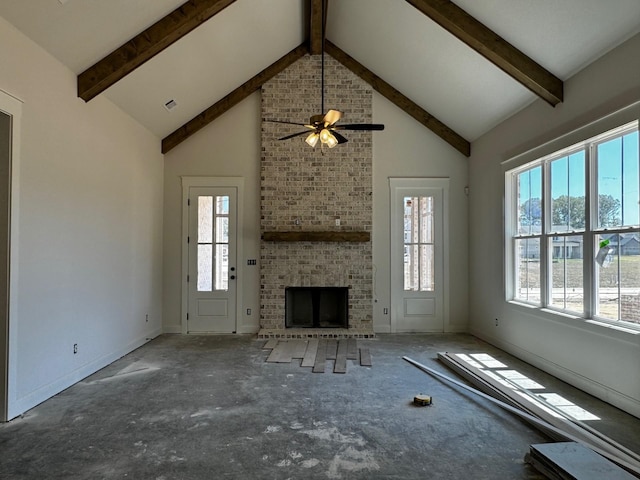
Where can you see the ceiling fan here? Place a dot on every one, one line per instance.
(324, 128)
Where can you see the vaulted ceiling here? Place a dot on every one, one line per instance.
(458, 68)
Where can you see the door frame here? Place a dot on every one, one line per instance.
(413, 183)
(9, 317)
(210, 182)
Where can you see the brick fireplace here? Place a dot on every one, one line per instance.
(321, 197)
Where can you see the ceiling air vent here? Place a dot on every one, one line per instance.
(170, 105)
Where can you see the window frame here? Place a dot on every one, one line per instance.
(591, 230)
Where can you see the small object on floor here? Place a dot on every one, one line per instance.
(422, 400)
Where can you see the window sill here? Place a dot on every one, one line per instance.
(598, 326)
(619, 328)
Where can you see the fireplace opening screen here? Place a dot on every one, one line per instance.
(316, 307)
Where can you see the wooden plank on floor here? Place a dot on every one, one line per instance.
(299, 348)
(365, 357)
(341, 357)
(286, 352)
(275, 353)
(321, 357)
(573, 460)
(310, 355)
(271, 344)
(281, 353)
(352, 349)
(332, 347)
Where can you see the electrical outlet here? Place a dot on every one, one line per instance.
(75, 348)
(146, 317)
(337, 222)
(248, 311)
(496, 322)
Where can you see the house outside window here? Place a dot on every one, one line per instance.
(572, 222)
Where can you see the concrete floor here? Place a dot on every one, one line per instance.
(209, 407)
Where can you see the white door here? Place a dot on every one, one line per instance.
(418, 254)
(211, 278)
(5, 216)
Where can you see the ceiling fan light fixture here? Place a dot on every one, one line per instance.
(325, 135)
(312, 139)
(331, 141)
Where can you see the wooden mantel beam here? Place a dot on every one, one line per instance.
(317, 24)
(144, 46)
(232, 99)
(401, 101)
(493, 47)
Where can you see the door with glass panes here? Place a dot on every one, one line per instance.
(418, 255)
(212, 260)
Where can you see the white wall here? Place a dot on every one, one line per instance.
(227, 147)
(408, 149)
(600, 360)
(89, 264)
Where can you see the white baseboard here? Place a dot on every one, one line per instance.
(457, 329)
(172, 329)
(251, 329)
(607, 394)
(20, 405)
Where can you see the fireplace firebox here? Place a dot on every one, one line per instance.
(316, 307)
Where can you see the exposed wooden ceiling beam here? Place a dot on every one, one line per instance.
(232, 99)
(401, 101)
(496, 49)
(317, 24)
(144, 46)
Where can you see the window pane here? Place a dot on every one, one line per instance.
(409, 222)
(567, 273)
(528, 269)
(222, 267)
(529, 201)
(427, 274)
(205, 267)
(426, 219)
(205, 219)
(418, 243)
(618, 180)
(618, 288)
(411, 278)
(222, 230)
(629, 258)
(222, 205)
(568, 193)
(631, 180)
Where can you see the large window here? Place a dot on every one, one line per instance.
(572, 226)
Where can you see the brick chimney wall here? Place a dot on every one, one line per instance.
(308, 189)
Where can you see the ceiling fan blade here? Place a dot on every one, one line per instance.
(360, 126)
(339, 137)
(306, 132)
(331, 117)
